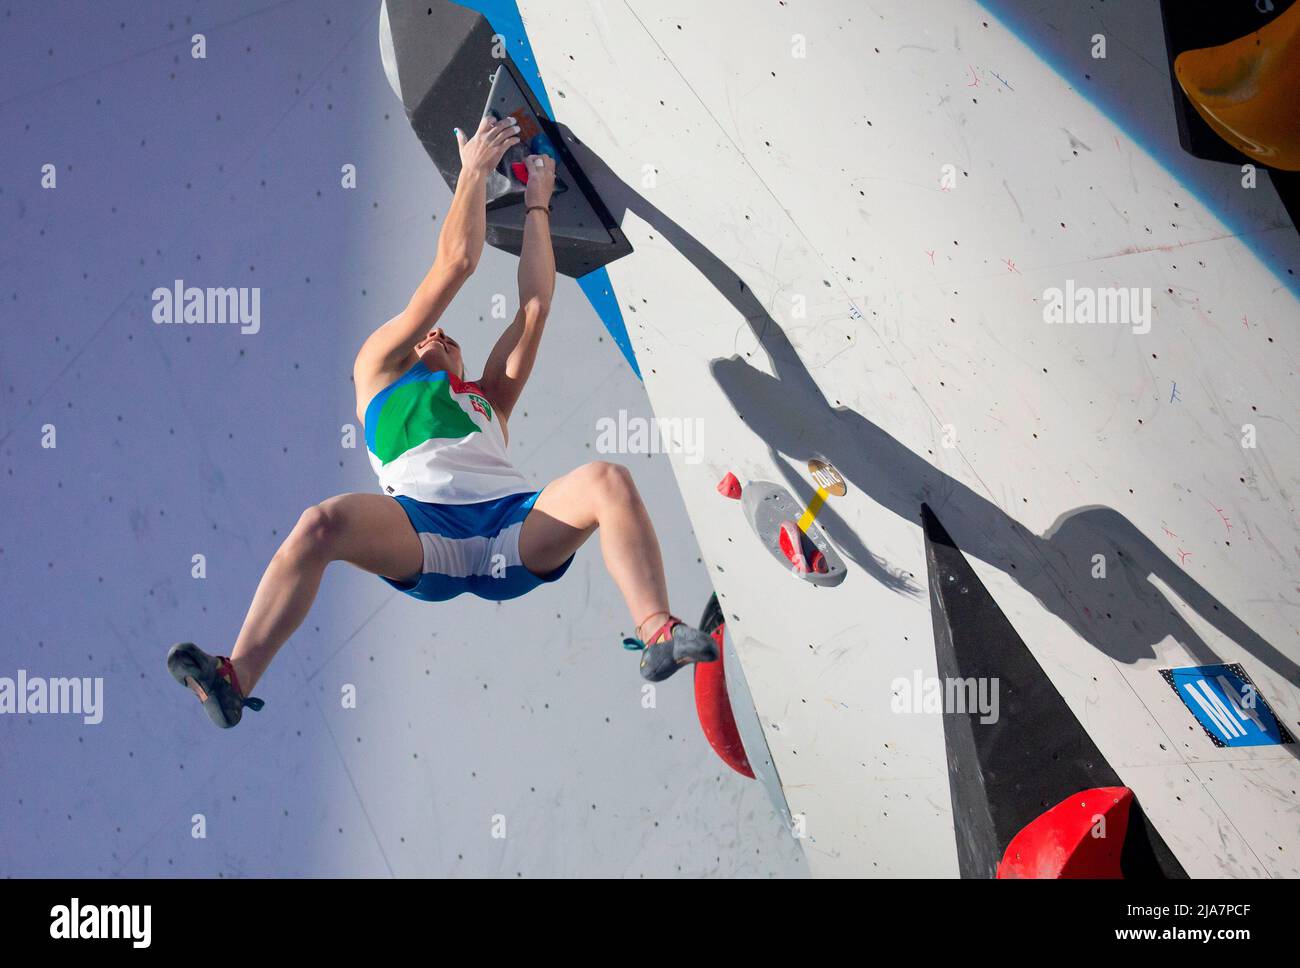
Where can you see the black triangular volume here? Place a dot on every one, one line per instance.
(1006, 772)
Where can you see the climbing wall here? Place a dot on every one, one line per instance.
(848, 221)
(485, 740)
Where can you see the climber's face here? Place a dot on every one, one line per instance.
(438, 351)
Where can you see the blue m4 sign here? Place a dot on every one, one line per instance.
(1228, 705)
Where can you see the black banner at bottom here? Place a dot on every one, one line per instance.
(335, 917)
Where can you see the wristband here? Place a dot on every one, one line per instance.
(543, 208)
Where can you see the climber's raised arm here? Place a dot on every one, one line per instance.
(511, 360)
(389, 350)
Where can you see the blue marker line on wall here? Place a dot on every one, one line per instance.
(600, 292)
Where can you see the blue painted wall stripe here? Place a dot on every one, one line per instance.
(1028, 24)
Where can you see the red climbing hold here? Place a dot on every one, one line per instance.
(729, 486)
(714, 708)
(1081, 837)
(520, 170)
(791, 539)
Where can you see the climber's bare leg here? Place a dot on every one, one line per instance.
(600, 495)
(370, 531)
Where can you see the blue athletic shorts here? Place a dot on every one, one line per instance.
(472, 548)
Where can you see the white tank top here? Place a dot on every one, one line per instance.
(434, 438)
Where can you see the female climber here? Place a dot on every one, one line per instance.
(454, 514)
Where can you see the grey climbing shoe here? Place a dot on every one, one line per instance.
(674, 645)
(212, 678)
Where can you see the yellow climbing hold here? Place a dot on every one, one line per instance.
(1246, 90)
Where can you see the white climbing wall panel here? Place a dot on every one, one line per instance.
(806, 283)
